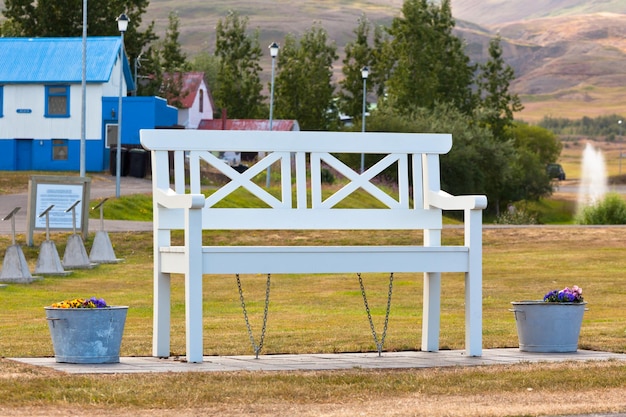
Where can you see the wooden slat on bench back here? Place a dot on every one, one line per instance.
(266, 141)
(308, 210)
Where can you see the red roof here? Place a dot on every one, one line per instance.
(248, 124)
(191, 85)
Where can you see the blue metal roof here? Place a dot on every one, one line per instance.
(59, 60)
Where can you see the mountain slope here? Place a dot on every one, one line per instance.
(273, 18)
(568, 66)
(493, 12)
(570, 51)
(569, 55)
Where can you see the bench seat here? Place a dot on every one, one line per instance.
(319, 259)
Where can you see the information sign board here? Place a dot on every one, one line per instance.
(61, 192)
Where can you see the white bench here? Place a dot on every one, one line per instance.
(180, 205)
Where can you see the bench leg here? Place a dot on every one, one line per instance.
(193, 310)
(193, 286)
(473, 315)
(161, 319)
(432, 309)
(474, 284)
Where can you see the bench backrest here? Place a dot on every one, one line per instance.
(300, 203)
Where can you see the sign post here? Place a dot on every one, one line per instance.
(62, 192)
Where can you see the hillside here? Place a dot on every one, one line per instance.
(569, 55)
(494, 12)
(273, 18)
(566, 66)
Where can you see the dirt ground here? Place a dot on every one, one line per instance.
(525, 403)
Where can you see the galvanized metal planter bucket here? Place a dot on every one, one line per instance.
(548, 327)
(86, 335)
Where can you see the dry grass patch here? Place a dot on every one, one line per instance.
(525, 389)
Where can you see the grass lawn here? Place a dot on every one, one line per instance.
(309, 314)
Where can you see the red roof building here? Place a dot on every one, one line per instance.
(248, 124)
(196, 101)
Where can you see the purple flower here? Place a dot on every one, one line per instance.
(566, 295)
(94, 302)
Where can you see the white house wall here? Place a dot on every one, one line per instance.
(24, 110)
(192, 117)
(183, 119)
(112, 88)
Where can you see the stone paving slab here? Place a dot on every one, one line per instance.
(317, 362)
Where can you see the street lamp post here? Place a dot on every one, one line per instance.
(122, 25)
(619, 122)
(83, 94)
(365, 72)
(274, 53)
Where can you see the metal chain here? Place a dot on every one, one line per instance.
(255, 347)
(379, 344)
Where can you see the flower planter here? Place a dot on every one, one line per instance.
(86, 335)
(548, 327)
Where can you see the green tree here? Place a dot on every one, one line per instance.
(476, 164)
(429, 63)
(535, 147)
(174, 63)
(498, 103)
(383, 62)
(10, 29)
(538, 140)
(303, 87)
(238, 86)
(173, 57)
(608, 126)
(51, 18)
(528, 179)
(358, 55)
(150, 72)
(207, 63)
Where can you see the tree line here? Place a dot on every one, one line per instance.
(420, 78)
(611, 127)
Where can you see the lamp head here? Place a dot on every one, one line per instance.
(365, 72)
(274, 49)
(122, 22)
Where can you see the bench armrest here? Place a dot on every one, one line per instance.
(170, 199)
(445, 201)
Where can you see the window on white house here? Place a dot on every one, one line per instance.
(59, 149)
(57, 101)
(111, 138)
(201, 101)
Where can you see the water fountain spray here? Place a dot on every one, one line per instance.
(593, 182)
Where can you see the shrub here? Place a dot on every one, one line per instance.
(610, 210)
(514, 215)
(327, 176)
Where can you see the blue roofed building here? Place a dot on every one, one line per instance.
(41, 104)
